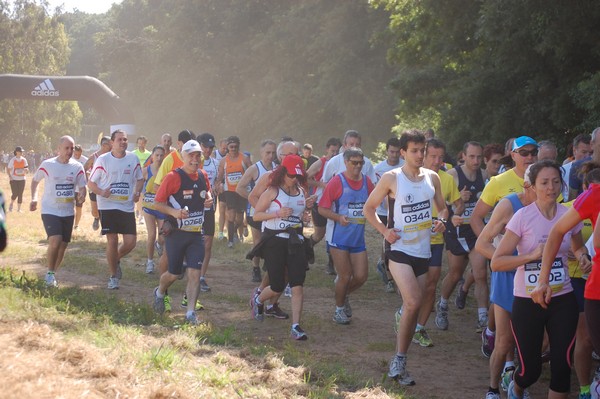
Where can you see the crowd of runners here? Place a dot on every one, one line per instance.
(523, 222)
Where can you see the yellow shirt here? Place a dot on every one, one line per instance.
(500, 186)
(171, 162)
(450, 193)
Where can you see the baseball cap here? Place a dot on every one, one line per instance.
(191, 146)
(207, 139)
(19, 149)
(522, 142)
(185, 135)
(293, 164)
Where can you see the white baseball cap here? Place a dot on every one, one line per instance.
(191, 146)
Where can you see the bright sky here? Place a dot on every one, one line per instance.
(89, 6)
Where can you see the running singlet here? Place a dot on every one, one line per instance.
(411, 213)
(234, 169)
(588, 207)
(350, 203)
(18, 168)
(283, 200)
(475, 187)
(451, 194)
(63, 182)
(191, 193)
(148, 191)
(500, 186)
(532, 228)
(261, 170)
(120, 176)
(211, 167)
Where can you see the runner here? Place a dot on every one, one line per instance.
(65, 184)
(105, 146)
(183, 196)
(268, 149)
(117, 181)
(17, 172)
(281, 207)
(143, 155)
(581, 150)
(219, 154)
(392, 161)
(526, 232)
(502, 365)
(410, 190)
(82, 159)
(231, 170)
(153, 218)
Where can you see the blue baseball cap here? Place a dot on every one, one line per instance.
(522, 141)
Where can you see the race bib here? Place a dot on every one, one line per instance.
(416, 217)
(468, 212)
(556, 278)
(64, 193)
(148, 198)
(290, 221)
(119, 191)
(19, 172)
(193, 223)
(355, 213)
(234, 178)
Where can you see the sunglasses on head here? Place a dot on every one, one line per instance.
(356, 163)
(526, 153)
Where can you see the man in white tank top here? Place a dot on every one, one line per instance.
(410, 207)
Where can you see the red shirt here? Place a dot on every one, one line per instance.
(588, 207)
(172, 182)
(334, 189)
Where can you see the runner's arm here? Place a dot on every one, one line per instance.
(502, 213)
(247, 177)
(504, 259)
(264, 201)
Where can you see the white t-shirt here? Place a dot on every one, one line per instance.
(82, 159)
(63, 183)
(121, 176)
(380, 169)
(566, 171)
(336, 165)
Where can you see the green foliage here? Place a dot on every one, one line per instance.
(495, 69)
(34, 43)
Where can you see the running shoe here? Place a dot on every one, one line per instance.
(511, 393)
(184, 303)
(422, 338)
(298, 334)
(203, 286)
(276, 312)
(51, 280)
(159, 248)
(461, 296)
(397, 317)
(221, 236)
(257, 310)
(340, 317)
(167, 301)
(381, 271)
(255, 294)
(95, 224)
(390, 288)
(481, 324)
(506, 377)
(10, 208)
(398, 371)
(149, 266)
(441, 316)
(586, 395)
(492, 395)
(113, 283)
(487, 344)
(159, 303)
(229, 244)
(287, 291)
(347, 307)
(330, 269)
(256, 277)
(192, 319)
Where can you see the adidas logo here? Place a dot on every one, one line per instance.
(45, 89)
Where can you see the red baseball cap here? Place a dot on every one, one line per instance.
(293, 164)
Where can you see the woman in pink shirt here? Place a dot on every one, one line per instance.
(527, 233)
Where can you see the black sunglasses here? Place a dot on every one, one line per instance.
(526, 153)
(356, 163)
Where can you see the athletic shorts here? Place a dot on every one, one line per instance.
(208, 227)
(154, 213)
(461, 243)
(92, 196)
(578, 288)
(182, 245)
(317, 219)
(437, 250)
(114, 221)
(221, 197)
(420, 266)
(58, 226)
(352, 250)
(235, 201)
(501, 289)
(253, 224)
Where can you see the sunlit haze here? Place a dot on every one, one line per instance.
(88, 6)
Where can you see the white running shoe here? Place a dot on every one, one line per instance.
(113, 283)
(51, 280)
(149, 266)
(398, 371)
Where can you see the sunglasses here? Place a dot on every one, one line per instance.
(357, 163)
(291, 176)
(526, 153)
